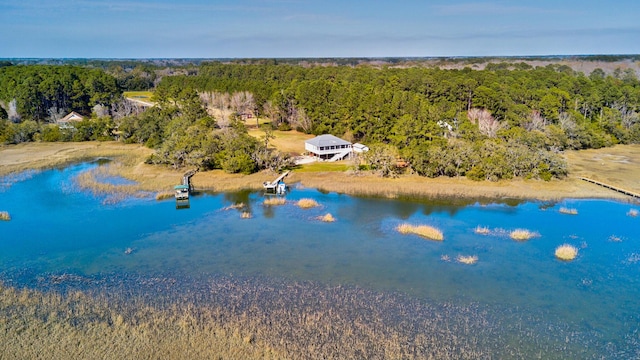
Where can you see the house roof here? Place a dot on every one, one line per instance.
(327, 140)
(72, 116)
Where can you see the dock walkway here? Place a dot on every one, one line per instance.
(614, 188)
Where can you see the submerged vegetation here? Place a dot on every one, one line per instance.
(425, 231)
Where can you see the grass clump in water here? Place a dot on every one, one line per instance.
(522, 234)
(425, 231)
(633, 213)
(568, 211)
(245, 215)
(566, 252)
(4, 215)
(273, 201)
(468, 260)
(307, 203)
(482, 230)
(327, 218)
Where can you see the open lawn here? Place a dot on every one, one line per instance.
(290, 142)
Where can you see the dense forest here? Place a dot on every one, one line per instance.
(507, 120)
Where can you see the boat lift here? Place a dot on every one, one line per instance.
(276, 186)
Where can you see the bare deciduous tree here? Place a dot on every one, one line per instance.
(535, 121)
(242, 102)
(55, 114)
(125, 107)
(487, 124)
(100, 110)
(12, 111)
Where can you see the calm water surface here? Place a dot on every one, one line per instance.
(56, 228)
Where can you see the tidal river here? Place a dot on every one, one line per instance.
(588, 307)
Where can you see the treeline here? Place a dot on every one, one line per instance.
(42, 92)
(509, 120)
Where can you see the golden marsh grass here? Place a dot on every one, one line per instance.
(274, 201)
(246, 215)
(425, 231)
(327, 218)
(568, 211)
(566, 252)
(307, 203)
(522, 234)
(163, 195)
(4, 215)
(468, 260)
(482, 230)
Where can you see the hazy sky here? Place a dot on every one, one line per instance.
(316, 28)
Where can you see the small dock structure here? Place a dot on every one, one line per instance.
(276, 186)
(182, 191)
(622, 191)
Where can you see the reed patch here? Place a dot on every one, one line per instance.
(482, 230)
(425, 231)
(4, 215)
(566, 252)
(326, 218)
(522, 234)
(467, 260)
(633, 212)
(568, 211)
(307, 203)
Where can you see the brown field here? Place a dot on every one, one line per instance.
(618, 166)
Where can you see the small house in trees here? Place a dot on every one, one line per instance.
(67, 121)
(328, 147)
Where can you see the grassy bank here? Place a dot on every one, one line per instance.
(619, 166)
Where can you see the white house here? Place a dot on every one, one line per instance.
(67, 121)
(328, 147)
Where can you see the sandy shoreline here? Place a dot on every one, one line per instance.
(618, 166)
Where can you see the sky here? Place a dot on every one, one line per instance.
(315, 28)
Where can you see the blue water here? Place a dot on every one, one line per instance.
(56, 228)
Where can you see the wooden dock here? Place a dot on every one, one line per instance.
(273, 186)
(611, 187)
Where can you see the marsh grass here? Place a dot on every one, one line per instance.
(246, 215)
(326, 218)
(568, 211)
(4, 215)
(566, 252)
(163, 195)
(236, 206)
(425, 231)
(274, 201)
(482, 230)
(522, 234)
(468, 260)
(633, 213)
(307, 203)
